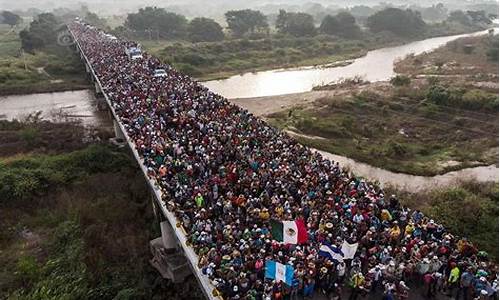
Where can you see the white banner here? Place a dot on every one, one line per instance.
(349, 250)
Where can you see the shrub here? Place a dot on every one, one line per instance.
(438, 94)
(26, 178)
(400, 80)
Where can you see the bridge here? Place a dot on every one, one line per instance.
(272, 170)
(173, 238)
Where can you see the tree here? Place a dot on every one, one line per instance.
(404, 23)
(435, 13)
(281, 21)
(343, 25)
(204, 30)
(329, 25)
(9, 18)
(297, 24)
(400, 80)
(42, 32)
(95, 20)
(479, 16)
(460, 17)
(361, 11)
(241, 22)
(167, 24)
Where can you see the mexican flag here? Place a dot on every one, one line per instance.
(289, 232)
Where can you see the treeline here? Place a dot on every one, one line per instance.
(154, 22)
(45, 28)
(10, 18)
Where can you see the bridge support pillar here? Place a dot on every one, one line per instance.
(102, 105)
(167, 259)
(156, 210)
(118, 131)
(168, 235)
(98, 90)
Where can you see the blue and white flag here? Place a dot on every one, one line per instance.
(279, 272)
(331, 252)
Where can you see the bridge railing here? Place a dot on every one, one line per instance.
(191, 256)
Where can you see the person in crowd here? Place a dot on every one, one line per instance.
(226, 174)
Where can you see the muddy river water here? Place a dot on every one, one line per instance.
(376, 65)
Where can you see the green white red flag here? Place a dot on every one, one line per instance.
(289, 232)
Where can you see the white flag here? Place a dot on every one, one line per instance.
(349, 250)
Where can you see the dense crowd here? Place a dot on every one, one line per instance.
(225, 174)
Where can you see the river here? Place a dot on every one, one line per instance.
(73, 105)
(414, 183)
(376, 65)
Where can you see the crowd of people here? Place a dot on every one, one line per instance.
(226, 174)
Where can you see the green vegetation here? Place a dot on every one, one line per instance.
(246, 21)
(9, 18)
(77, 226)
(402, 132)
(343, 24)
(49, 67)
(472, 99)
(400, 80)
(472, 57)
(26, 178)
(445, 121)
(221, 59)
(295, 24)
(292, 42)
(95, 20)
(392, 19)
(204, 30)
(295, 45)
(470, 209)
(42, 32)
(167, 24)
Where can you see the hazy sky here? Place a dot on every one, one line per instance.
(199, 7)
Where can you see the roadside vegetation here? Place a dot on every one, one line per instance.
(469, 209)
(31, 60)
(76, 224)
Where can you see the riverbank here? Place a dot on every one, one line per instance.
(413, 124)
(398, 134)
(221, 60)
